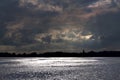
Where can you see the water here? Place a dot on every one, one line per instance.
(60, 68)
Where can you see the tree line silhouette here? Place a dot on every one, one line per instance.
(63, 54)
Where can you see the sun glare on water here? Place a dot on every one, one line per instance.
(57, 62)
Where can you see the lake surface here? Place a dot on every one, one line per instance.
(95, 68)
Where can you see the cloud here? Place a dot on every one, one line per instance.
(59, 24)
(7, 48)
(39, 5)
(74, 37)
(106, 26)
(101, 4)
(102, 7)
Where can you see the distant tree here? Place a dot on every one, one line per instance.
(83, 51)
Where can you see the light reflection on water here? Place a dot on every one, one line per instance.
(58, 62)
(60, 68)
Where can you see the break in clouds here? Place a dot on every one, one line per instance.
(59, 25)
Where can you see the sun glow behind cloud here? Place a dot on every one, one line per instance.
(66, 34)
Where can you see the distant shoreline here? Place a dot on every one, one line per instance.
(63, 54)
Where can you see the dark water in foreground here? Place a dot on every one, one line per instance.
(60, 68)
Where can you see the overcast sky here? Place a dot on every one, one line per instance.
(59, 25)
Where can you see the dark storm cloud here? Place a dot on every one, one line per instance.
(20, 24)
(106, 26)
(59, 24)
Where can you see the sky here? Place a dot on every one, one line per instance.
(59, 25)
